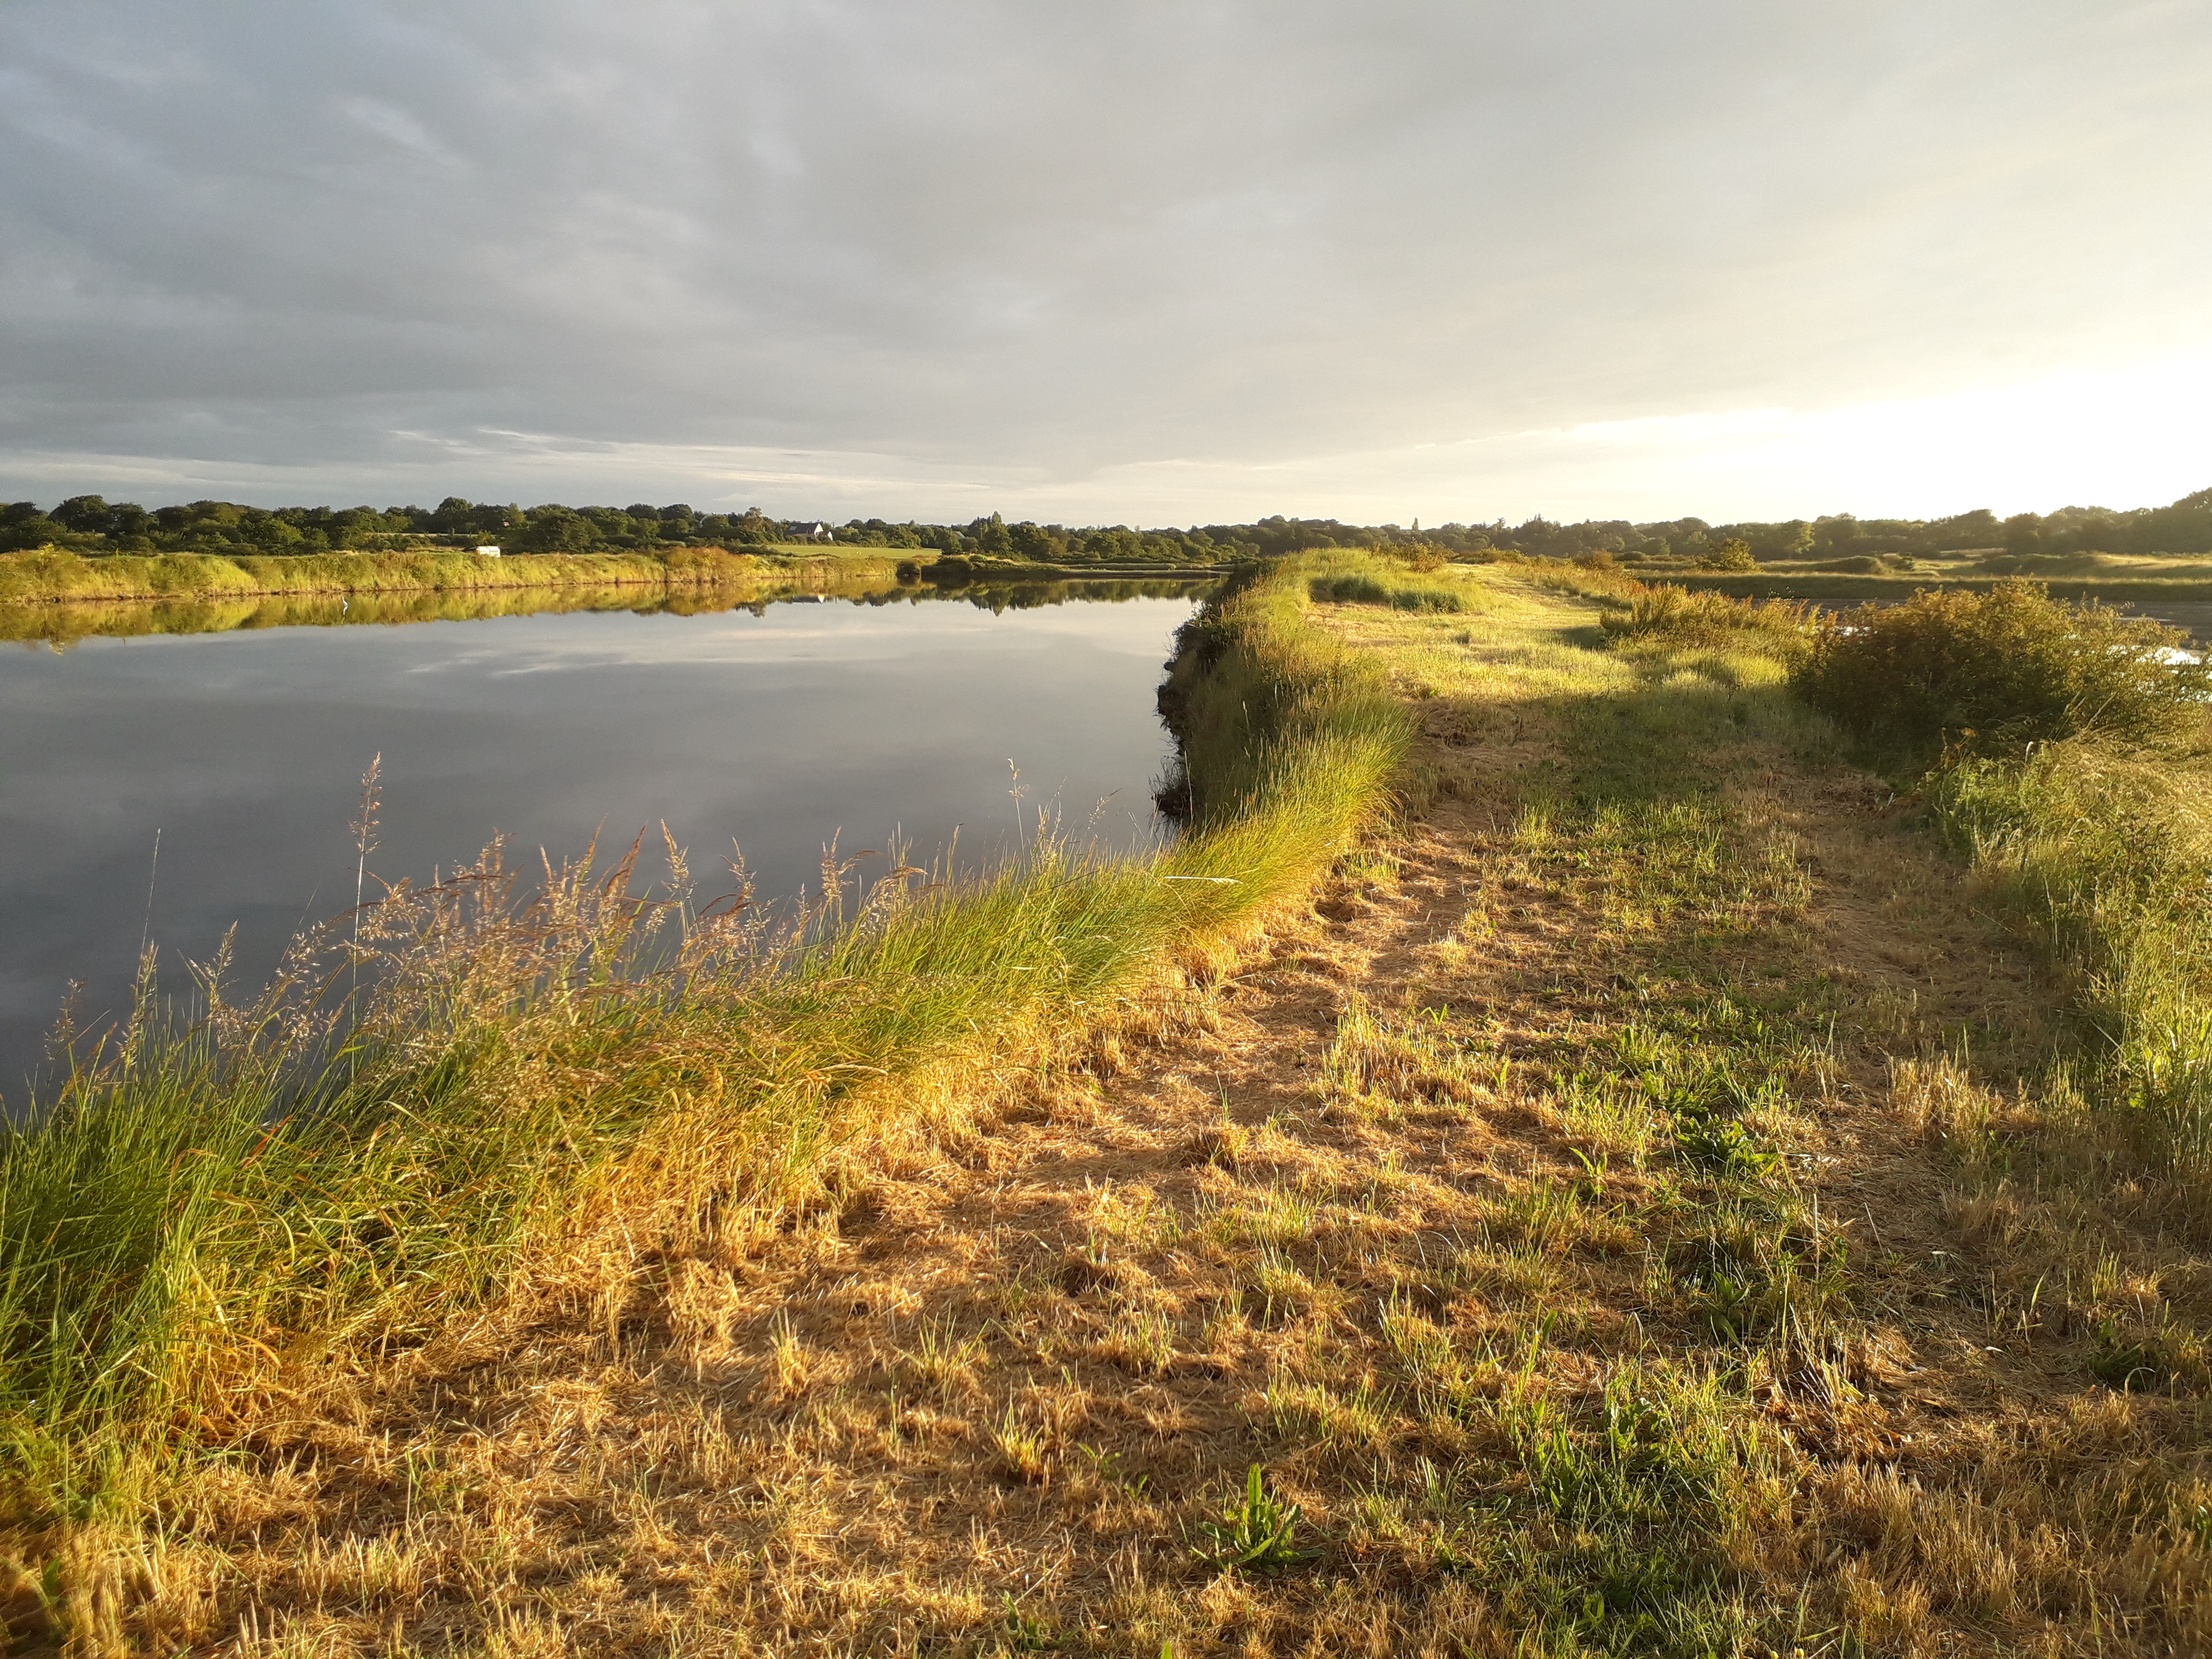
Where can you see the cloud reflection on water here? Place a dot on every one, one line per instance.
(245, 751)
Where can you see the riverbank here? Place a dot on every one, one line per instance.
(51, 576)
(55, 576)
(61, 623)
(1650, 1201)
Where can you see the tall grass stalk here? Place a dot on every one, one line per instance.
(2109, 852)
(533, 1091)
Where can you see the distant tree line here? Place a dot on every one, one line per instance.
(2184, 527)
(89, 524)
(92, 526)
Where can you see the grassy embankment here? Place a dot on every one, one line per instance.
(1651, 1205)
(859, 582)
(216, 1224)
(52, 576)
(58, 597)
(1828, 1283)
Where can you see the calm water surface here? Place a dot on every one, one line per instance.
(245, 751)
(2192, 616)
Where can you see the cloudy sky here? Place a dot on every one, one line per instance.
(1127, 262)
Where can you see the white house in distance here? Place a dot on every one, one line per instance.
(808, 530)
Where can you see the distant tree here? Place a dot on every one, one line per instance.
(355, 527)
(454, 516)
(990, 535)
(1033, 543)
(24, 526)
(556, 529)
(2185, 526)
(1978, 528)
(1733, 554)
(271, 534)
(90, 514)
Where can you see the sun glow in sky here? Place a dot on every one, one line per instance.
(1146, 263)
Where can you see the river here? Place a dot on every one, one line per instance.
(243, 753)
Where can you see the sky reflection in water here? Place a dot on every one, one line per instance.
(246, 751)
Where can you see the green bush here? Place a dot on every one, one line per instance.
(1987, 673)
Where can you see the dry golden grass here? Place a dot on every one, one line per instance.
(1639, 1208)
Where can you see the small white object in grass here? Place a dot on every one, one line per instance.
(1230, 880)
(488, 552)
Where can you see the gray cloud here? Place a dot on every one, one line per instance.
(904, 256)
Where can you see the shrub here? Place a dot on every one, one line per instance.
(1731, 554)
(1989, 672)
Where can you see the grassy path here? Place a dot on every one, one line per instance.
(1635, 1210)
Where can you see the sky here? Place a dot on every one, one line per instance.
(1150, 264)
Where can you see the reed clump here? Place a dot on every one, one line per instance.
(2107, 851)
(1683, 617)
(446, 1096)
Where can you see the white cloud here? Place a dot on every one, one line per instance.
(1142, 263)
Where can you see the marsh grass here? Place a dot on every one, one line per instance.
(2073, 772)
(2108, 855)
(1680, 617)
